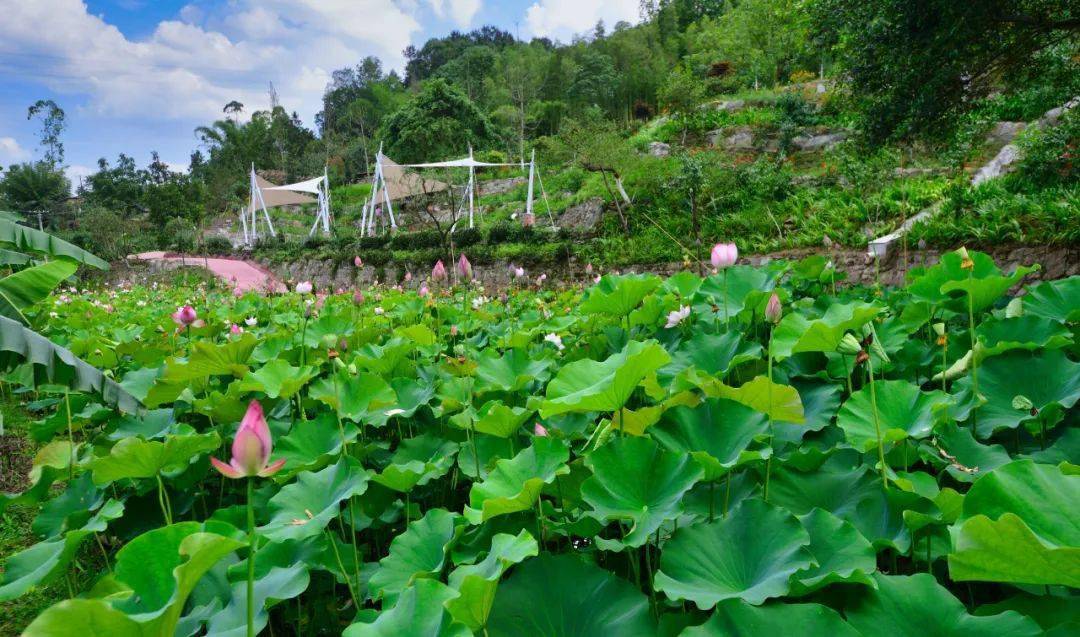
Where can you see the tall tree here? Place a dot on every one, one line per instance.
(52, 126)
(912, 66)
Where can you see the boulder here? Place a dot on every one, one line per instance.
(823, 141)
(659, 149)
(584, 215)
(1004, 132)
(730, 105)
(737, 138)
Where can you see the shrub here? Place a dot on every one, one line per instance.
(218, 245)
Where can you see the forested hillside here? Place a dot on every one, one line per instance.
(772, 123)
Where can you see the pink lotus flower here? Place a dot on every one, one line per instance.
(358, 297)
(423, 290)
(438, 272)
(235, 329)
(185, 316)
(724, 255)
(539, 430)
(358, 262)
(773, 311)
(304, 287)
(464, 268)
(251, 448)
(237, 292)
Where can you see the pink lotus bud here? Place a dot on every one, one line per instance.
(539, 430)
(185, 316)
(464, 267)
(519, 272)
(358, 297)
(340, 291)
(408, 277)
(424, 290)
(358, 262)
(438, 272)
(251, 448)
(528, 220)
(453, 330)
(724, 255)
(773, 310)
(237, 292)
(588, 268)
(235, 329)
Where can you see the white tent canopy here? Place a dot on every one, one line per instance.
(265, 195)
(391, 183)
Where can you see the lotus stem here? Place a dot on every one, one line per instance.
(974, 355)
(727, 323)
(877, 425)
(251, 558)
(768, 461)
(71, 435)
(163, 501)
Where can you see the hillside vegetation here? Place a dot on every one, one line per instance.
(771, 123)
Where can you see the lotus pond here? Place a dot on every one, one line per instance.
(688, 456)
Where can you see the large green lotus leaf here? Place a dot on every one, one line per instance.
(312, 444)
(281, 572)
(713, 354)
(1021, 332)
(750, 555)
(744, 285)
(975, 459)
(851, 494)
(983, 291)
(278, 379)
(1048, 379)
(515, 483)
(498, 419)
(478, 582)
(841, 554)
(417, 461)
(419, 334)
(358, 397)
(935, 284)
(138, 458)
(45, 561)
(716, 433)
(605, 386)
(411, 395)
(797, 333)
(736, 618)
(683, 284)
(634, 479)
(30, 286)
(419, 611)
(69, 510)
(903, 411)
(513, 371)
(161, 567)
(303, 508)
(820, 402)
(562, 596)
(1049, 611)
(1057, 300)
(781, 402)
(1019, 524)
(618, 295)
(917, 606)
(420, 552)
(208, 359)
(82, 617)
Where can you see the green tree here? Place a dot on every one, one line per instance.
(52, 126)
(33, 189)
(438, 123)
(912, 66)
(682, 95)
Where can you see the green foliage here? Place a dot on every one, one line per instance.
(440, 122)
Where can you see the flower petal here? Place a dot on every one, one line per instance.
(272, 468)
(225, 469)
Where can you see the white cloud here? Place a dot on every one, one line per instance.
(565, 18)
(76, 173)
(190, 67)
(461, 12)
(11, 152)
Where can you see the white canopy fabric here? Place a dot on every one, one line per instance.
(467, 162)
(311, 185)
(274, 196)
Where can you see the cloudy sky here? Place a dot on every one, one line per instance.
(139, 75)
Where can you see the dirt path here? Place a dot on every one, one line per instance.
(244, 275)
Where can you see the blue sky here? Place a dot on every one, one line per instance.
(136, 76)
